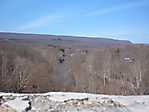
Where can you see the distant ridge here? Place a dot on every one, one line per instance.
(67, 41)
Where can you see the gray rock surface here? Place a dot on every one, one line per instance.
(73, 102)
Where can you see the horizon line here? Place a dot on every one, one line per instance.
(77, 36)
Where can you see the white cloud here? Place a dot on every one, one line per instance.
(117, 8)
(40, 22)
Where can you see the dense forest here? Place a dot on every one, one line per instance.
(35, 65)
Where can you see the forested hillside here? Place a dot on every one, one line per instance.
(30, 63)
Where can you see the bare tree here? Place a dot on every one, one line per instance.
(4, 65)
(22, 76)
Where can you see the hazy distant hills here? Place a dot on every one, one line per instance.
(65, 41)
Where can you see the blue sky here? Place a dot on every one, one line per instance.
(118, 19)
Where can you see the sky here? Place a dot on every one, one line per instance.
(118, 19)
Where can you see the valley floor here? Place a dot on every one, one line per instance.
(72, 102)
